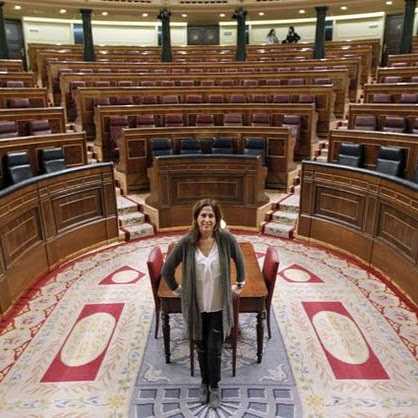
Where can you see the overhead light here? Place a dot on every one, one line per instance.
(343, 7)
(62, 11)
(144, 14)
(183, 15)
(301, 11)
(105, 13)
(17, 7)
(261, 13)
(221, 14)
(389, 3)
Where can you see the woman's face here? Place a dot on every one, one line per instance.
(206, 220)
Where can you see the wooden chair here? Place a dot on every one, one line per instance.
(270, 267)
(155, 264)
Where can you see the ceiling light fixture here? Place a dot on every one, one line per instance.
(301, 11)
(221, 14)
(105, 13)
(144, 14)
(62, 11)
(183, 15)
(17, 7)
(343, 7)
(261, 13)
(389, 3)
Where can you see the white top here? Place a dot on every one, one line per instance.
(208, 280)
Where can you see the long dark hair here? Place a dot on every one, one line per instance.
(197, 208)
(271, 32)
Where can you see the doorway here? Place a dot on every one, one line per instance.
(15, 41)
(392, 37)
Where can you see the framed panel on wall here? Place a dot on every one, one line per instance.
(203, 35)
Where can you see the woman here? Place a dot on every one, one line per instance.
(272, 38)
(206, 291)
(292, 36)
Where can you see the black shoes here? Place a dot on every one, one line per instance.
(203, 393)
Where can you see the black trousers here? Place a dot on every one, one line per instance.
(209, 349)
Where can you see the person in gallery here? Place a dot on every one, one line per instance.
(272, 38)
(292, 36)
(206, 291)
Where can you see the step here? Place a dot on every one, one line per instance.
(125, 205)
(131, 218)
(284, 217)
(279, 230)
(137, 231)
(290, 204)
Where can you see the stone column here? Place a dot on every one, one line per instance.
(240, 15)
(4, 48)
(166, 55)
(319, 51)
(88, 35)
(408, 26)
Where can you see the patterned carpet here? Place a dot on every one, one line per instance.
(75, 344)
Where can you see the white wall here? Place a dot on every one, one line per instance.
(112, 34)
(371, 27)
(48, 32)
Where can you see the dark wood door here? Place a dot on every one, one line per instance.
(203, 35)
(14, 36)
(392, 38)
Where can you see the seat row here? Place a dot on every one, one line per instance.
(117, 123)
(397, 124)
(389, 98)
(399, 79)
(390, 160)
(9, 129)
(17, 167)
(198, 98)
(220, 145)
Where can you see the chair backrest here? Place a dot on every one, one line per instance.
(124, 83)
(222, 145)
(170, 99)
(167, 83)
(8, 129)
(204, 119)
(145, 121)
(249, 83)
(155, 263)
(259, 98)
(193, 98)
(74, 85)
(102, 83)
(51, 160)
(273, 82)
(117, 123)
(365, 122)
(216, 98)
(351, 155)
(392, 79)
(381, 98)
(255, 146)
(296, 82)
(18, 102)
(281, 98)
(15, 83)
(190, 146)
(260, 119)
(294, 123)
(186, 83)
(207, 83)
(150, 99)
(324, 80)
(237, 98)
(17, 167)
(409, 98)
(101, 101)
(270, 268)
(148, 83)
(395, 124)
(173, 120)
(306, 98)
(39, 127)
(413, 126)
(161, 146)
(233, 119)
(390, 160)
(124, 100)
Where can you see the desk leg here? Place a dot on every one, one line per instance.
(166, 336)
(260, 336)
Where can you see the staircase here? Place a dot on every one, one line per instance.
(133, 223)
(281, 220)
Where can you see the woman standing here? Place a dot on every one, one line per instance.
(206, 291)
(292, 36)
(272, 38)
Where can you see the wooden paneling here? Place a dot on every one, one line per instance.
(365, 214)
(27, 78)
(177, 182)
(135, 155)
(394, 89)
(12, 66)
(405, 72)
(50, 218)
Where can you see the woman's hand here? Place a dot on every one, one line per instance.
(236, 290)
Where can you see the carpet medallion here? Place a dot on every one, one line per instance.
(80, 343)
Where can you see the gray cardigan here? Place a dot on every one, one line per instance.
(184, 252)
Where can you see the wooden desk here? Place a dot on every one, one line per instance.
(253, 298)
